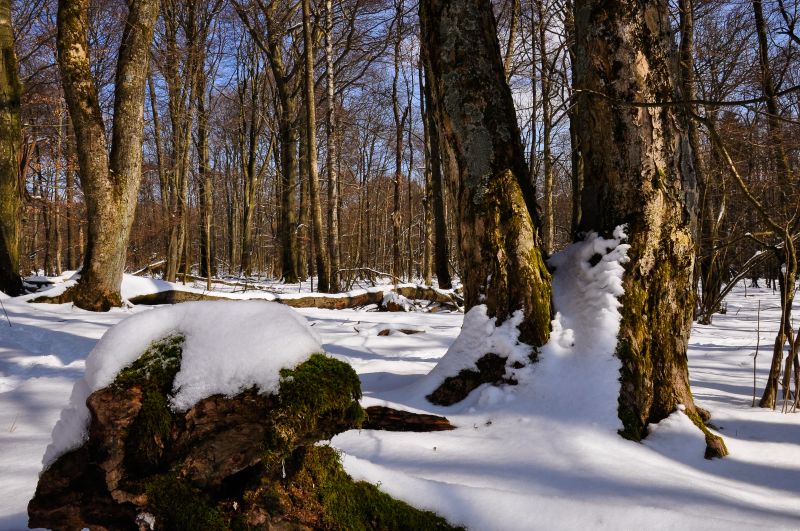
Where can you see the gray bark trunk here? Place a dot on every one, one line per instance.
(110, 183)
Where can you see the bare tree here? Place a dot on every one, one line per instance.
(110, 182)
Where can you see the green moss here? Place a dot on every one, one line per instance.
(156, 368)
(357, 505)
(177, 506)
(715, 446)
(153, 372)
(321, 386)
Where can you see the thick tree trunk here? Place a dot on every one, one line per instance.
(110, 183)
(474, 110)
(10, 138)
(639, 173)
(323, 265)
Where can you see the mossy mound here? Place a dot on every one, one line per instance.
(244, 462)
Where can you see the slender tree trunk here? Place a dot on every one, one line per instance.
(72, 254)
(162, 172)
(785, 183)
(499, 240)
(639, 173)
(56, 215)
(576, 170)
(110, 183)
(512, 36)
(323, 265)
(442, 247)
(180, 88)
(205, 186)
(304, 246)
(548, 215)
(399, 121)
(427, 234)
(333, 153)
(10, 138)
(251, 125)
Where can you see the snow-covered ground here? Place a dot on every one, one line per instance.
(543, 455)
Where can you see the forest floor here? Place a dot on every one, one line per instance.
(541, 455)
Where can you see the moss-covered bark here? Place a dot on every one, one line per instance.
(243, 462)
(110, 181)
(639, 173)
(10, 138)
(474, 111)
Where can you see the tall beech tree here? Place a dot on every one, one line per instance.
(10, 138)
(639, 173)
(321, 252)
(110, 181)
(474, 112)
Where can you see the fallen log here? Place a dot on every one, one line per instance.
(388, 419)
(327, 302)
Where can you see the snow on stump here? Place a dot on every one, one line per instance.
(210, 427)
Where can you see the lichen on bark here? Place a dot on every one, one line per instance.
(639, 173)
(474, 113)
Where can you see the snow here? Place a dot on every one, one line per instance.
(540, 455)
(228, 347)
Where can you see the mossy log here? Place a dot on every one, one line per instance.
(244, 462)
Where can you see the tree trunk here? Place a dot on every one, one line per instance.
(576, 170)
(205, 186)
(180, 91)
(548, 215)
(323, 265)
(399, 121)
(10, 138)
(639, 173)
(110, 183)
(427, 235)
(441, 248)
(333, 153)
(474, 110)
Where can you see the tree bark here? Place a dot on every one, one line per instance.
(474, 110)
(110, 183)
(399, 122)
(205, 186)
(441, 248)
(323, 265)
(427, 250)
(639, 173)
(332, 161)
(10, 138)
(548, 215)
